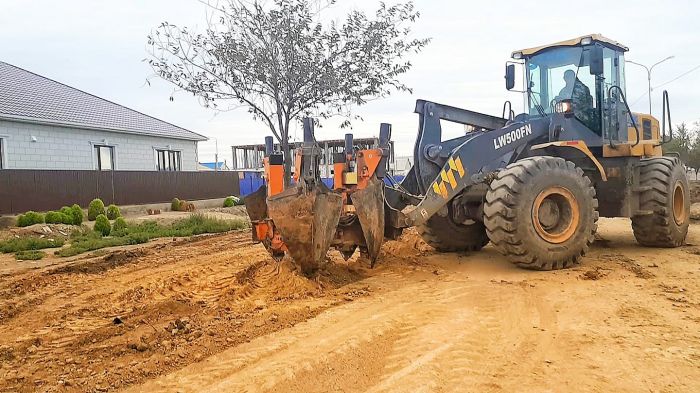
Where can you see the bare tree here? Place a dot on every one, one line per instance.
(281, 62)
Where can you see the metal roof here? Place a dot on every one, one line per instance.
(573, 42)
(26, 96)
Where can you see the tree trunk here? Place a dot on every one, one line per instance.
(288, 159)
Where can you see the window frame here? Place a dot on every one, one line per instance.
(168, 160)
(2, 152)
(98, 156)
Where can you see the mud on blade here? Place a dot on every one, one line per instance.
(256, 204)
(307, 221)
(369, 207)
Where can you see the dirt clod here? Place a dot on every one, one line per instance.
(594, 274)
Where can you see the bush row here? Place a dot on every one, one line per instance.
(97, 207)
(69, 215)
(123, 233)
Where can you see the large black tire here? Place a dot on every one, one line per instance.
(443, 234)
(664, 200)
(541, 212)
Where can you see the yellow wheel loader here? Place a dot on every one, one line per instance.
(533, 184)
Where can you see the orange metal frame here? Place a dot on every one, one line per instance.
(366, 164)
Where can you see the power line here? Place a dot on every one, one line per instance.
(639, 98)
(679, 76)
(666, 83)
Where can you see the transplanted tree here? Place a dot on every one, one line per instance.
(281, 62)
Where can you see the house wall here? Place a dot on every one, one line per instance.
(59, 147)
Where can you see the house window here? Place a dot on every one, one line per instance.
(169, 160)
(105, 157)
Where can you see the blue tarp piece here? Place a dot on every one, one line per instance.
(212, 165)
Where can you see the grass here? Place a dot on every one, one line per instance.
(29, 255)
(196, 224)
(28, 243)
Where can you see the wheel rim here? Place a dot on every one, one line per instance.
(679, 213)
(555, 214)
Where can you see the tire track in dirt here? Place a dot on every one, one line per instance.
(439, 334)
(418, 322)
(221, 285)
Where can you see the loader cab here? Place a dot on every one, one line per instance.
(577, 77)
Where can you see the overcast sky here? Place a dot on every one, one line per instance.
(98, 46)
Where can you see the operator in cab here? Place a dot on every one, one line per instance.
(581, 97)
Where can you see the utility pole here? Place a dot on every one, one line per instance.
(216, 155)
(649, 69)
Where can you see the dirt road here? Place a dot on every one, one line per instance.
(214, 315)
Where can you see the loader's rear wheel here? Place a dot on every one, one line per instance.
(443, 234)
(541, 212)
(664, 202)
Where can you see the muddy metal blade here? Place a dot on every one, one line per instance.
(307, 221)
(369, 207)
(256, 204)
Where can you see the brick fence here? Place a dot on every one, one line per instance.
(22, 190)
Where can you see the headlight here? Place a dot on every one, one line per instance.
(564, 106)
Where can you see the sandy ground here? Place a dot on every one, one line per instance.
(215, 314)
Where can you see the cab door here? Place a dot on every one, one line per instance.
(614, 113)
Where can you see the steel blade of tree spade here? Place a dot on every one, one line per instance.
(369, 207)
(256, 204)
(307, 220)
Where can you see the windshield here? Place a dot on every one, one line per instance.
(559, 74)
(563, 73)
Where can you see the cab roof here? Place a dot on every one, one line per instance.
(572, 42)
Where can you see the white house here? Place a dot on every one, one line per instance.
(45, 124)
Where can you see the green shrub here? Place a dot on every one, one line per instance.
(29, 255)
(102, 225)
(138, 238)
(66, 210)
(95, 208)
(175, 205)
(119, 228)
(229, 201)
(197, 224)
(113, 212)
(77, 215)
(29, 218)
(58, 218)
(119, 224)
(28, 243)
(52, 217)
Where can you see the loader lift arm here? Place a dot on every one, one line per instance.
(430, 152)
(443, 169)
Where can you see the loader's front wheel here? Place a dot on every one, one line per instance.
(541, 212)
(664, 202)
(443, 234)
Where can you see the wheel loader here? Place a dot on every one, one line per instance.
(534, 185)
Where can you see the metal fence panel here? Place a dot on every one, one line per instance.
(22, 190)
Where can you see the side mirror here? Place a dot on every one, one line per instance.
(596, 60)
(510, 76)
